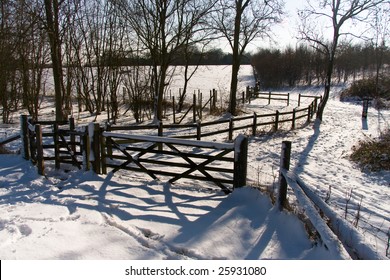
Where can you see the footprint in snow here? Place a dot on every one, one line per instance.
(25, 230)
(149, 234)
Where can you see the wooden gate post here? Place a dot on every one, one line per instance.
(40, 162)
(86, 149)
(56, 146)
(24, 137)
(284, 164)
(72, 136)
(95, 145)
(240, 161)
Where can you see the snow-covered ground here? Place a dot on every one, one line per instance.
(81, 215)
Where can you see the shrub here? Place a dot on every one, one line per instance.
(373, 155)
(367, 88)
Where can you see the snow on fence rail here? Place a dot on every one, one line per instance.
(337, 234)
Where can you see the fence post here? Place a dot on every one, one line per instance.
(24, 137)
(309, 113)
(160, 133)
(96, 148)
(366, 103)
(86, 149)
(40, 162)
(200, 104)
(269, 98)
(277, 120)
(231, 125)
(194, 109)
(174, 109)
(284, 164)
(288, 99)
(240, 161)
(199, 130)
(293, 119)
(254, 127)
(211, 102)
(108, 147)
(56, 146)
(72, 136)
(103, 146)
(214, 98)
(299, 100)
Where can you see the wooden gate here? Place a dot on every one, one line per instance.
(44, 141)
(224, 164)
(71, 147)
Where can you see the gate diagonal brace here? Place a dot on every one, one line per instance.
(199, 167)
(71, 153)
(130, 160)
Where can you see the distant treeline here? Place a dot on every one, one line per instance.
(196, 57)
(304, 65)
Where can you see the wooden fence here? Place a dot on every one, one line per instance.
(252, 123)
(252, 93)
(224, 164)
(49, 141)
(340, 238)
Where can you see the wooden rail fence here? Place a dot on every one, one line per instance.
(62, 143)
(339, 237)
(199, 129)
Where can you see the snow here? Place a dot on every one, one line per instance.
(82, 215)
(119, 216)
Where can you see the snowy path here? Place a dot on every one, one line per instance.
(122, 217)
(320, 157)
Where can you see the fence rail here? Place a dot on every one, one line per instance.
(10, 139)
(338, 236)
(201, 129)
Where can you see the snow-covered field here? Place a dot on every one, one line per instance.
(81, 215)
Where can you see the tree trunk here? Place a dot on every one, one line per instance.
(329, 73)
(236, 61)
(51, 7)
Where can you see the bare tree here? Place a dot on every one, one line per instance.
(380, 25)
(163, 27)
(240, 22)
(7, 58)
(52, 8)
(338, 14)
